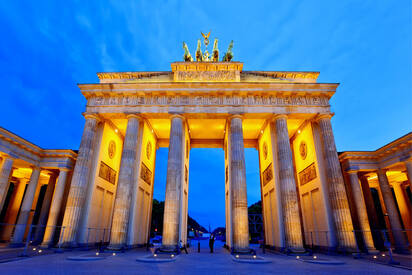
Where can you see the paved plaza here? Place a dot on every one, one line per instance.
(220, 262)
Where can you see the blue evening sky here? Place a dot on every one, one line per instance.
(48, 46)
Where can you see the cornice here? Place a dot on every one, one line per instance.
(34, 149)
(382, 152)
(211, 85)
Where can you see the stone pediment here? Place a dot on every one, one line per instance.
(208, 72)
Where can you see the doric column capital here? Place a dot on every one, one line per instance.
(133, 115)
(408, 160)
(352, 171)
(177, 116)
(8, 157)
(25, 180)
(240, 116)
(91, 116)
(64, 169)
(323, 116)
(279, 116)
(382, 170)
(35, 167)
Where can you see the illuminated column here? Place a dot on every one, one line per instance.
(80, 180)
(5, 174)
(404, 207)
(124, 191)
(336, 186)
(361, 210)
(394, 219)
(240, 223)
(287, 185)
(408, 164)
(173, 185)
(26, 208)
(55, 208)
(45, 208)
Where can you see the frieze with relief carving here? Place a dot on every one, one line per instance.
(179, 100)
(146, 174)
(308, 174)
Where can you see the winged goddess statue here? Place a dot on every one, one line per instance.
(206, 37)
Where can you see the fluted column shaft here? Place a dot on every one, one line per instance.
(401, 243)
(408, 164)
(337, 192)
(238, 186)
(404, 207)
(173, 185)
(5, 174)
(361, 210)
(79, 182)
(26, 207)
(45, 208)
(55, 208)
(287, 184)
(128, 168)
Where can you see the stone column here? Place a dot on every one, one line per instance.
(26, 208)
(5, 174)
(55, 208)
(361, 210)
(404, 207)
(240, 220)
(128, 167)
(289, 197)
(337, 192)
(78, 187)
(45, 208)
(173, 185)
(401, 244)
(408, 164)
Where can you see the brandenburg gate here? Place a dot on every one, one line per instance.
(204, 103)
(286, 116)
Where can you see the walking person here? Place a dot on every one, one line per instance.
(183, 247)
(211, 242)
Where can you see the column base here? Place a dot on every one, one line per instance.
(46, 245)
(15, 245)
(116, 247)
(372, 251)
(402, 250)
(243, 251)
(295, 251)
(69, 245)
(168, 249)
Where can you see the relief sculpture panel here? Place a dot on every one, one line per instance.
(209, 100)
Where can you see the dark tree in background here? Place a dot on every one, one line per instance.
(156, 227)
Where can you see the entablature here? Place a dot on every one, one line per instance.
(16, 147)
(386, 156)
(207, 97)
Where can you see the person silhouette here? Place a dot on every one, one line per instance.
(183, 247)
(211, 242)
